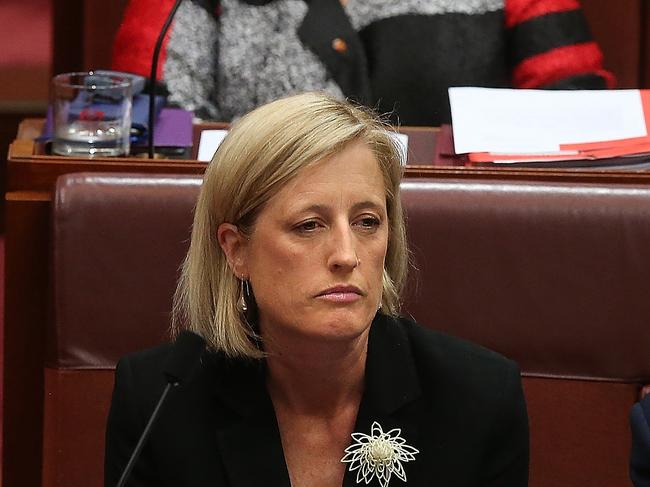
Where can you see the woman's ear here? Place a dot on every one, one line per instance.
(233, 244)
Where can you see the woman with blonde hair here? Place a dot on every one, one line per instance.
(311, 378)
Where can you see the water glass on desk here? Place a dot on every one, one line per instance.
(91, 114)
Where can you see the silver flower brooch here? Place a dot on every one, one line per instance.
(379, 455)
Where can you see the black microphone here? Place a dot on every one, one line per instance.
(178, 367)
(154, 74)
(184, 358)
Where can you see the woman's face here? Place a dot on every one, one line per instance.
(316, 255)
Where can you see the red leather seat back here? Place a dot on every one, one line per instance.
(550, 275)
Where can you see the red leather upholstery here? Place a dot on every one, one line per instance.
(550, 275)
(118, 243)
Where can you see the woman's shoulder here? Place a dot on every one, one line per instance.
(148, 358)
(152, 361)
(144, 371)
(145, 363)
(426, 341)
(139, 375)
(446, 359)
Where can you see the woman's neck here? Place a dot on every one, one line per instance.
(311, 377)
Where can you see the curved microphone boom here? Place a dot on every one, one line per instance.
(154, 74)
(178, 367)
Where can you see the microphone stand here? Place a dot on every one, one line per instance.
(177, 369)
(154, 74)
(143, 438)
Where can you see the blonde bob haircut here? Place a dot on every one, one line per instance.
(263, 151)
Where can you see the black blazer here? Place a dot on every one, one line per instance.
(640, 457)
(460, 405)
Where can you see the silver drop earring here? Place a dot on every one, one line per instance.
(244, 291)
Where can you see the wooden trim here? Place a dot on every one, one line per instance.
(644, 54)
(101, 22)
(68, 47)
(616, 26)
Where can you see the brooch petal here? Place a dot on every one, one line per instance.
(379, 455)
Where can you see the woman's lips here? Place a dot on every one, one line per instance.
(341, 294)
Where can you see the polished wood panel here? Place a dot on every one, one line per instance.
(8, 129)
(67, 36)
(645, 46)
(617, 27)
(556, 406)
(102, 20)
(30, 169)
(83, 33)
(26, 304)
(76, 408)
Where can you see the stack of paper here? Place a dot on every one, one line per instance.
(518, 126)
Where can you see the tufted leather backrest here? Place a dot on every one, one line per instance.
(554, 276)
(118, 243)
(551, 275)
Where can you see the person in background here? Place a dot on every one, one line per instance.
(223, 58)
(640, 458)
(311, 378)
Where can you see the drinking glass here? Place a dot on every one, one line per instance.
(91, 114)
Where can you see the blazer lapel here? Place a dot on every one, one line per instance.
(248, 437)
(391, 388)
(327, 31)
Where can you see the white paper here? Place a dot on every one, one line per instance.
(538, 121)
(209, 143)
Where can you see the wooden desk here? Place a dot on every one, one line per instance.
(32, 171)
(31, 179)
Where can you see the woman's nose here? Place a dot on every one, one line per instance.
(343, 253)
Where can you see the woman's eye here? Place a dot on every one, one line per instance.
(308, 226)
(369, 222)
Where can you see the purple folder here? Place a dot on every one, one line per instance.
(173, 129)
